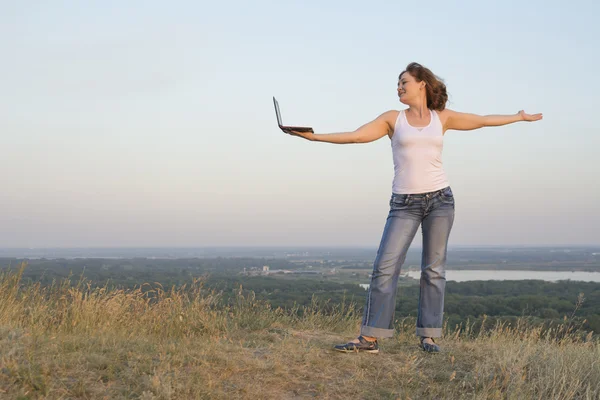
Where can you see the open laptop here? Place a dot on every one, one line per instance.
(288, 128)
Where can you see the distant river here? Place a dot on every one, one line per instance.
(484, 275)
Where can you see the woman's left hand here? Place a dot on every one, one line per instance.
(530, 117)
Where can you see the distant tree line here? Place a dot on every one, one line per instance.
(498, 300)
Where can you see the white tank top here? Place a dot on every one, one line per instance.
(417, 156)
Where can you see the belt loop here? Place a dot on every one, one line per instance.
(407, 199)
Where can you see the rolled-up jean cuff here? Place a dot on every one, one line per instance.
(429, 332)
(376, 332)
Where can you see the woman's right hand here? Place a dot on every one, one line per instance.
(306, 135)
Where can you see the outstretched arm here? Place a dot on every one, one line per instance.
(465, 122)
(369, 132)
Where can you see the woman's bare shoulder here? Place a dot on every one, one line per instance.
(391, 119)
(444, 114)
(392, 115)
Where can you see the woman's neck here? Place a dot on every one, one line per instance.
(419, 108)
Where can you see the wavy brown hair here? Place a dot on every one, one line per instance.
(434, 86)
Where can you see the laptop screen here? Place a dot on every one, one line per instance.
(277, 111)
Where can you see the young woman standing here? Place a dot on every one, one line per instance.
(421, 196)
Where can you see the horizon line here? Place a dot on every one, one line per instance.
(292, 246)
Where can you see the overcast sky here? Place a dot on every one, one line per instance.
(151, 123)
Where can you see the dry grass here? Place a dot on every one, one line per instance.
(68, 342)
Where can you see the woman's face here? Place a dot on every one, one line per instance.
(408, 88)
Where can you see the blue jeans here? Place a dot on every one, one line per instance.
(435, 211)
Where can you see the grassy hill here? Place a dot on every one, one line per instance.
(73, 341)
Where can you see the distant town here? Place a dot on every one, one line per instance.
(266, 270)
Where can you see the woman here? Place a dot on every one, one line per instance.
(421, 195)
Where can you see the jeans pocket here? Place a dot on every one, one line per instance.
(399, 201)
(447, 196)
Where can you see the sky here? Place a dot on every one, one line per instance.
(152, 124)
